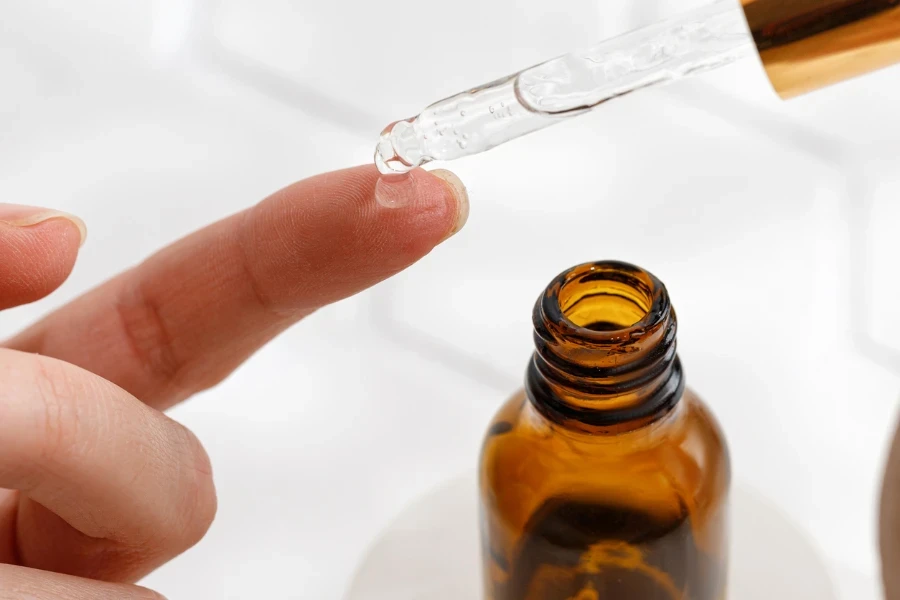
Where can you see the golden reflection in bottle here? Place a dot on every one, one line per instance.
(605, 478)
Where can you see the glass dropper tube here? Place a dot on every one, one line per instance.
(495, 113)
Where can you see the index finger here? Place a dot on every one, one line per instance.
(184, 319)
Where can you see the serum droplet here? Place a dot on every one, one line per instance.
(395, 191)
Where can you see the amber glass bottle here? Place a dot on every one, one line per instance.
(605, 478)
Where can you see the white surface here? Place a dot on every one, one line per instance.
(755, 213)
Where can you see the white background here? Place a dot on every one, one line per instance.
(773, 224)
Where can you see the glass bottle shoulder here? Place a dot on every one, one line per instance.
(678, 464)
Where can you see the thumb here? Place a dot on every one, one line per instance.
(38, 248)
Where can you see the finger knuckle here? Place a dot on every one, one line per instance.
(259, 286)
(145, 330)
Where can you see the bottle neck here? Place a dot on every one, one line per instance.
(605, 349)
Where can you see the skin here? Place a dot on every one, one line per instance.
(97, 486)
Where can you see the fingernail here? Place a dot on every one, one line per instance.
(461, 195)
(27, 216)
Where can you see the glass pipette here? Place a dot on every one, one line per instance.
(804, 46)
(482, 118)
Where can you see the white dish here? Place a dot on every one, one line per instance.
(431, 552)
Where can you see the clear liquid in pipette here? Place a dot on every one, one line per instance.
(482, 118)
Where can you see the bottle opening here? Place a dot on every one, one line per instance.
(605, 305)
(605, 346)
(605, 300)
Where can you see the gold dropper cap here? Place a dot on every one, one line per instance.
(806, 45)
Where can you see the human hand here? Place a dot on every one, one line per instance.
(97, 486)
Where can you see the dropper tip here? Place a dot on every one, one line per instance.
(390, 157)
(387, 161)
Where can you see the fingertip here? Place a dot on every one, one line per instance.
(28, 216)
(439, 192)
(424, 204)
(460, 198)
(35, 259)
(423, 210)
